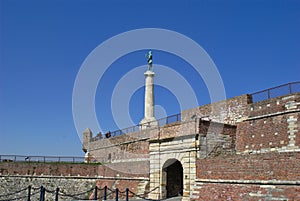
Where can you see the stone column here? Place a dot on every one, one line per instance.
(149, 119)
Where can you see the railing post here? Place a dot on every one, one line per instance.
(95, 193)
(290, 86)
(56, 194)
(29, 193)
(127, 193)
(41, 191)
(117, 194)
(44, 190)
(42, 194)
(105, 192)
(269, 94)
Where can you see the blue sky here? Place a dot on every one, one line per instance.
(254, 44)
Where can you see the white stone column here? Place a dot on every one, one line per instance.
(149, 119)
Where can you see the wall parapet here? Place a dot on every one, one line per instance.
(281, 90)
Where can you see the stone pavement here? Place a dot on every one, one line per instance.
(169, 199)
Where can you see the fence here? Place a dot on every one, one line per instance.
(273, 92)
(42, 159)
(161, 122)
(104, 193)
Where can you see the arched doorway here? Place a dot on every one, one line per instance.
(173, 178)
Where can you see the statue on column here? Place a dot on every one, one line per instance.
(149, 57)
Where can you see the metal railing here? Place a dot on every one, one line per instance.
(42, 159)
(160, 122)
(95, 193)
(274, 92)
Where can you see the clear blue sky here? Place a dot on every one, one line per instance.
(254, 44)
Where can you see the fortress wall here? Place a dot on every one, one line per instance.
(134, 147)
(229, 111)
(173, 130)
(126, 147)
(268, 166)
(10, 184)
(68, 185)
(68, 170)
(216, 139)
(70, 178)
(245, 192)
(249, 177)
(272, 125)
(54, 169)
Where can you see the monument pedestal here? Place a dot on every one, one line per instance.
(149, 119)
(148, 123)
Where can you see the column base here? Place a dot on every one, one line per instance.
(148, 123)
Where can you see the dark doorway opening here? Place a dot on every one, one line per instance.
(174, 177)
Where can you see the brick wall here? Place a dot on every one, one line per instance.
(54, 169)
(246, 192)
(120, 148)
(61, 169)
(268, 166)
(228, 111)
(272, 125)
(270, 176)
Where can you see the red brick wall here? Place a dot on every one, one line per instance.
(173, 130)
(249, 192)
(268, 125)
(269, 166)
(54, 169)
(254, 168)
(61, 169)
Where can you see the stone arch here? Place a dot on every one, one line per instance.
(172, 178)
(162, 155)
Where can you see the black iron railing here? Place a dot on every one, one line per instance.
(274, 92)
(42, 159)
(31, 193)
(160, 122)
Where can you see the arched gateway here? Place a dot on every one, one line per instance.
(173, 178)
(172, 166)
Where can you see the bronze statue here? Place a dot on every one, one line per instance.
(149, 57)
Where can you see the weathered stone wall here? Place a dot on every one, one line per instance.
(132, 146)
(272, 125)
(70, 178)
(228, 111)
(71, 185)
(215, 139)
(52, 169)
